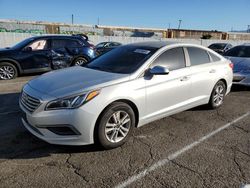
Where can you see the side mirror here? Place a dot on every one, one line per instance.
(159, 70)
(27, 49)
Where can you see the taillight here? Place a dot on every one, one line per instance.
(231, 65)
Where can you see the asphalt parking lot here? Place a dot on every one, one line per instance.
(177, 151)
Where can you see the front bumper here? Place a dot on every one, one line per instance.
(45, 124)
(40, 124)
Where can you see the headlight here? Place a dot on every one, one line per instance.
(72, 102)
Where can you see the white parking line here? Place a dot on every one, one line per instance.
(173, 156)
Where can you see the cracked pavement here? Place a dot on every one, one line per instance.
(221, 161)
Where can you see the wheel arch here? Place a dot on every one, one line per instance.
(126, 101)
(224, 81)
(84, 56)
(14, 62)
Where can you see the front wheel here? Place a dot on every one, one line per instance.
(115, 125)
(218, 94)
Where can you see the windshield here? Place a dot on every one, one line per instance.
(238, 51)
(22, 43)
(100, 45)
(123, 60)
(217, 46)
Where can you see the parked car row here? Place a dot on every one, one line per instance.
(46, 53)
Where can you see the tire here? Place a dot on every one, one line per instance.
(217, 95)
(80, 61)
(8, 71)
(113, 129)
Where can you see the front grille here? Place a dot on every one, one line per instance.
(29, 103)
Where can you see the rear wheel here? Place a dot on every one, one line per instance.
(115, 125)
(80, 61)
(218, 94)
(8, 71)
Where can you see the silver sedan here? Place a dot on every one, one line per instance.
(240, 57)
(125, 88)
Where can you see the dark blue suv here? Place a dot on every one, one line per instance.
(45, 53)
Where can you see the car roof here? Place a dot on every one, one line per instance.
(56, 36)
(153, 44)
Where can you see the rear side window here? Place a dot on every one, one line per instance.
(214, 57)
(198, 56)
(72, 43)
(59, 43)
(172, 59)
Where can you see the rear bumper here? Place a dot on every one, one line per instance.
(241, 79)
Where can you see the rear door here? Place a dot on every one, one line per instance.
(63, 52)
(168, 93)
(203, 73)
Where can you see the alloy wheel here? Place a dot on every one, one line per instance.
(117, 127)
(7, 72)
(218, 95)
(80, 62)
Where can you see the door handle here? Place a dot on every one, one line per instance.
(212, 71)
(185, 78)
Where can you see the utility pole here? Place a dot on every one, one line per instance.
(72, 19)
(248, 29)
(169, 25)
(98, 21)
(179, 26)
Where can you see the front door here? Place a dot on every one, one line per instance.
(36, 56)
(169, 93)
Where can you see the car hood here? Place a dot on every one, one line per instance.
(74, 80)
(5, 50)
(240, 64)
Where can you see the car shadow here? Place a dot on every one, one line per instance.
(17, 143)
(239, 88)
(204, 107)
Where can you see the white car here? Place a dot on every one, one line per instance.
(127, 87)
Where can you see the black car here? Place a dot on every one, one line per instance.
(220, 47)
(44, 53)
(104, 47)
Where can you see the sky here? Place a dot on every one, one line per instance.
(223, 15)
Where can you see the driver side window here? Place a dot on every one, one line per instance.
(39, 45)
(172, 59)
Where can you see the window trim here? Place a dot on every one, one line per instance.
(185, 60)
